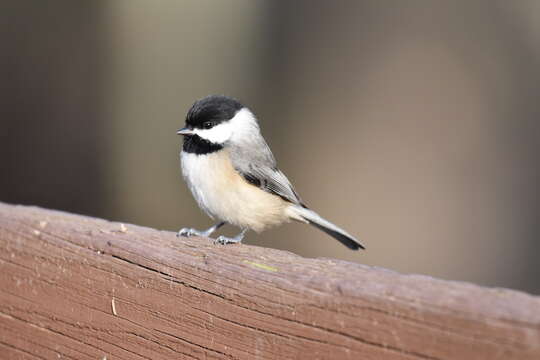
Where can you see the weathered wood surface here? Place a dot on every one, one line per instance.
(74, 287)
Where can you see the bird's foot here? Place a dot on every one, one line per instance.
(224, 240)
(187, 232)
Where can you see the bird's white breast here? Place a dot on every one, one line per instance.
(224, 194)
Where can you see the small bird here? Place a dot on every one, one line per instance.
(233, 176)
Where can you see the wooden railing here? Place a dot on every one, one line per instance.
(74, 287)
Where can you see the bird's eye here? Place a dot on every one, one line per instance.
(207, 125)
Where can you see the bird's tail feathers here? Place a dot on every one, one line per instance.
(311, 217)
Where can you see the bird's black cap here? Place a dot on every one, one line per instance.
(214, 108)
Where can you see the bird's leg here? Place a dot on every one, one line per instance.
(223, 240)
(187, 232)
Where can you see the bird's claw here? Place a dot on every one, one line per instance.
(187, 232)
(224, 240)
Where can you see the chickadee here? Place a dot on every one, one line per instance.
(233, 176)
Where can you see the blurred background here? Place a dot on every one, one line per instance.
(414, 125)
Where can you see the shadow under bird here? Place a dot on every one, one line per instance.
(233, 176)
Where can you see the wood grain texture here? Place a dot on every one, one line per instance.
(74, 287)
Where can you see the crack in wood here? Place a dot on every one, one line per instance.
(228, 356)
(53, 331)
(18, 349)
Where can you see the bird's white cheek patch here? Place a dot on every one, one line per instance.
(218, 134)
(242, 125)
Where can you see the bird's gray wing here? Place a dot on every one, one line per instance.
(256, 163)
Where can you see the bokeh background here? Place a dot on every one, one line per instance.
(412, 124)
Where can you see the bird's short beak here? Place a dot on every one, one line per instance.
(184, 131)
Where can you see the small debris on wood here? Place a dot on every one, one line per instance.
(113, 306)
(261, 266)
